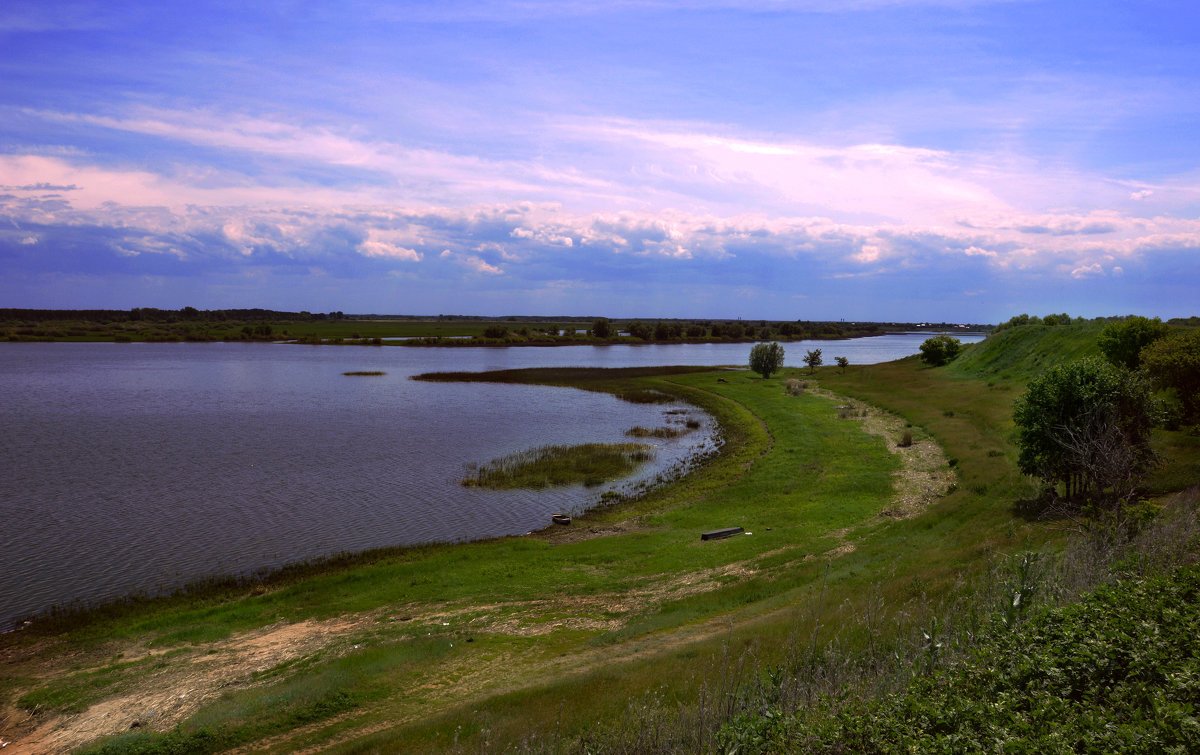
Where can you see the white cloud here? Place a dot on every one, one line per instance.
(974, 251)
(869, 253)
(398, 171)
(384, 249)
(480, 266)
(145, 213)
(387, 243)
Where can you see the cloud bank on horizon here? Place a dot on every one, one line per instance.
(884, 159)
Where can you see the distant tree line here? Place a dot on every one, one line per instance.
(737, 330)
(150, 314)
(1065, 319)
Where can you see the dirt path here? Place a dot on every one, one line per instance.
(924, 475)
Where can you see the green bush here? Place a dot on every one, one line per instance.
(1117, 672)
(766, 358)
(1173, 363)
(940, 349)
(1122, 342)
(1086, 425)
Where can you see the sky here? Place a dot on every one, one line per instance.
(888, 160)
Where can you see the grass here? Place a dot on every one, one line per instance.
(646, 640)
(588, 463)
(1016, 354)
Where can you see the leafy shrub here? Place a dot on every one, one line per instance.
(601, 328)
(641, 330)
(1174, 363)
(1086, 424)
(766, 358)
(940, 349)
(1122, 341)
(1116, 672)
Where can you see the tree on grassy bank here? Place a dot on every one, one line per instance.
(940, 350)
(766, 358)
(1086, 425)
(813, 359)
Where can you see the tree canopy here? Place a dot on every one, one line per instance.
(1122, 341)
(1174, 363)
(639, 329)
(1086, 424)
(940, 349)
(766, 358)
(601, 328)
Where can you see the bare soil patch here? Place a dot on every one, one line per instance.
(163, 697)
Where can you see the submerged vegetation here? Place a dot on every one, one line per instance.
(895, 590)
(590, 463)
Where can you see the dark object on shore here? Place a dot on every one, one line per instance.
(560, 519)
(722, 380)
(718, 534)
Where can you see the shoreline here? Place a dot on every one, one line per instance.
(220, 585)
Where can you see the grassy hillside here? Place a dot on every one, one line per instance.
(1018, 353)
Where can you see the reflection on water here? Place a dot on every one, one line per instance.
(140, 467)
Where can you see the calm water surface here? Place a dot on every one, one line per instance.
(141, 467)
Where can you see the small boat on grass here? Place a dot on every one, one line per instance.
(560, 519)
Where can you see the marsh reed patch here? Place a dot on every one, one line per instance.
(654, 432)
(590, 463)
(365, 373)
(645, 396)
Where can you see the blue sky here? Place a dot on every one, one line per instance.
(961, 160)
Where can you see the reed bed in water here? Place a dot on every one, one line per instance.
(589, 463)
(656, 432)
